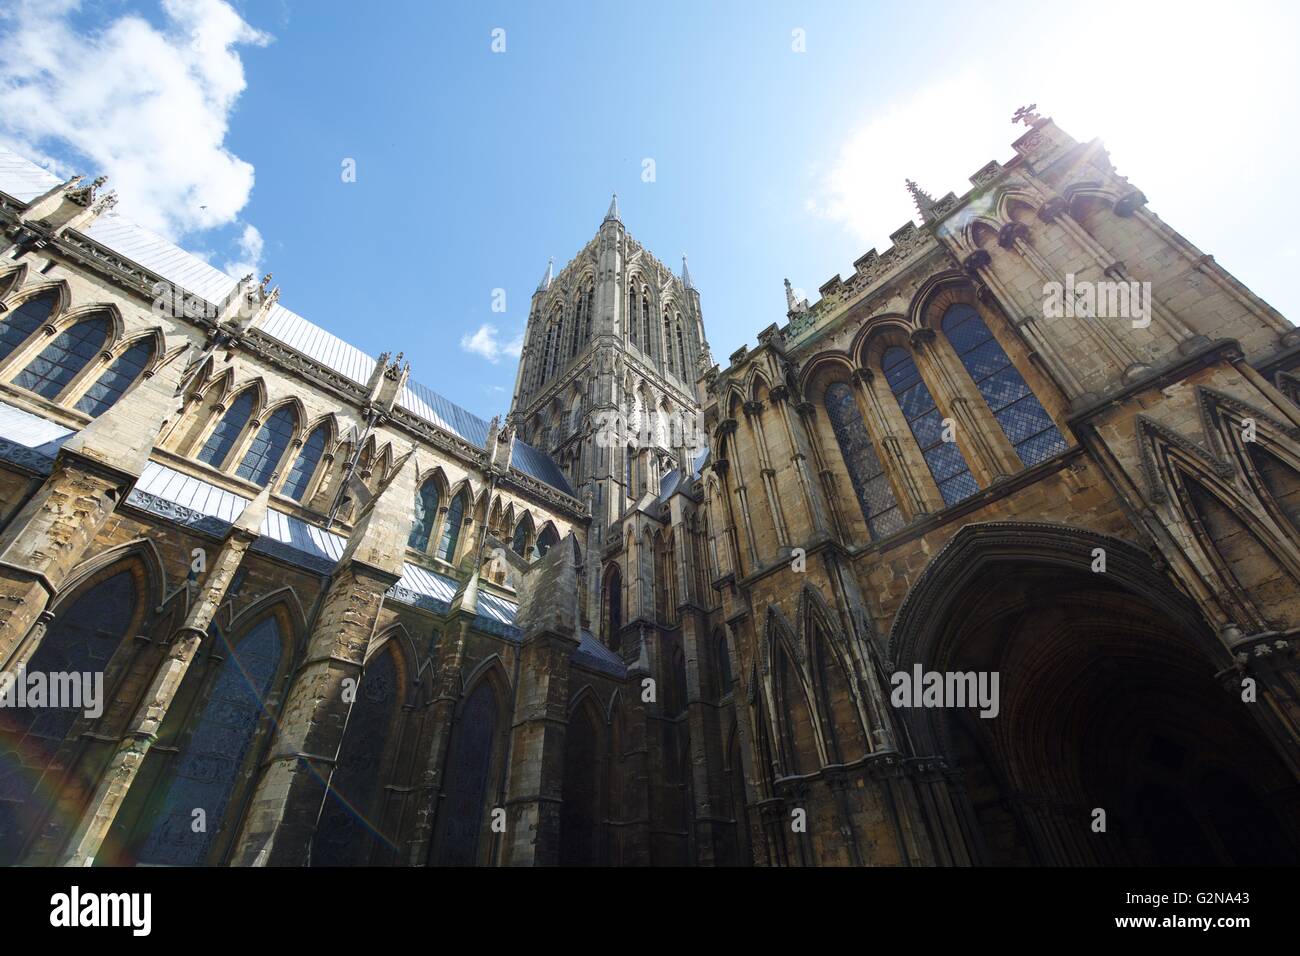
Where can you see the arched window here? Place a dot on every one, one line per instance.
(451, 527)
(681, 350)
(61, 360)
(304, 466)
(462, 817)
(944, 458)
(548, 539)
(591, 302)
(614, 608)
(1025, 422)
(627, 472)
(520, 542)
(645, 322)
(344, 835)
(18, 325)
(631, 312)
(426, 513)
(80, 640)
(266, 450)
(870, 483)
(580, 788)
(228, 430)
(668, 344)
(117, 378)
(219, 747)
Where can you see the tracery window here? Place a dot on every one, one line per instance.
(304, 466)
(870, 483)
(344, 835)
(451, 527)
(1021, 416)
(944, 458)
(219, 746)
(80, 640)
(267, 448)
(18, 325)
(426, 513)
(60, 361)
(228, 430)
(117, 378)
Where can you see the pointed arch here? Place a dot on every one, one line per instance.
(452, 524)
(473, 769)
(832, 672)
(428, 499)
(320, 437)
(225, 435)
(70, 351)
(267, 450)
(796, 730)
(581, 791)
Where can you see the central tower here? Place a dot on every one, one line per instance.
(607, 380)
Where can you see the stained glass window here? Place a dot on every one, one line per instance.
(451, 527)
(548, 539)
(350, 818)
(944, 458)
(1023, 419)
(461, 817)
(426, 513)
(304, 466)
(520, 540)
(210, 761)
(23, 321)
(267, 448)
(870, 483)
(117, 378)
(228, 430)
(60, 361)
(81, 640)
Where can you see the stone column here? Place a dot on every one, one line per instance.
(143, 731)
(287, 801)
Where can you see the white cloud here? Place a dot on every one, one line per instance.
(250, 251)
(148, 107)
(487, 343)
(930, 138)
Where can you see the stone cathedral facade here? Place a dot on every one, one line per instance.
(666, 611)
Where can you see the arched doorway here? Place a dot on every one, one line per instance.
(1107, 701)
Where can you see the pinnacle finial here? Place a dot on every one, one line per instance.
(923, 200)
(550, 274)
(686, 274)
(613, 210)
(1026, 115)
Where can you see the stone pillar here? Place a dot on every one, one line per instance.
(287, 801)
(149, 717)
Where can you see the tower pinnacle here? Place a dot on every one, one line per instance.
(686, 274)
(550, 274)
(613, 210)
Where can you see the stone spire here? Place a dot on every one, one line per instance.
(550, 275)
(924, 201)
(613, 210)
(686, 274)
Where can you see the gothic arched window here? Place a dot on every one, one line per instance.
(1022, 417)
(426, 513)
(228, 430)
(944, 458)
(212, 760)
(344, 834)
(724, 665)
(668, 344)
(304, 466)
(548, 539)
(18, 325)
(81, 640)
(645, 321)
(268, 447)
(590, 305)
(631, 312)
(451, 527)
(627, 472)
(614, 607)
(870, 483)
(681, 350)
(462, 816)
(117, 378)
(60, 361)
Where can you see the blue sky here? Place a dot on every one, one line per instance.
(472, 167)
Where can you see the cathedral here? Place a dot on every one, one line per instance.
(990, 555)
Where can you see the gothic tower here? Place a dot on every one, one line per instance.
(607, 380)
